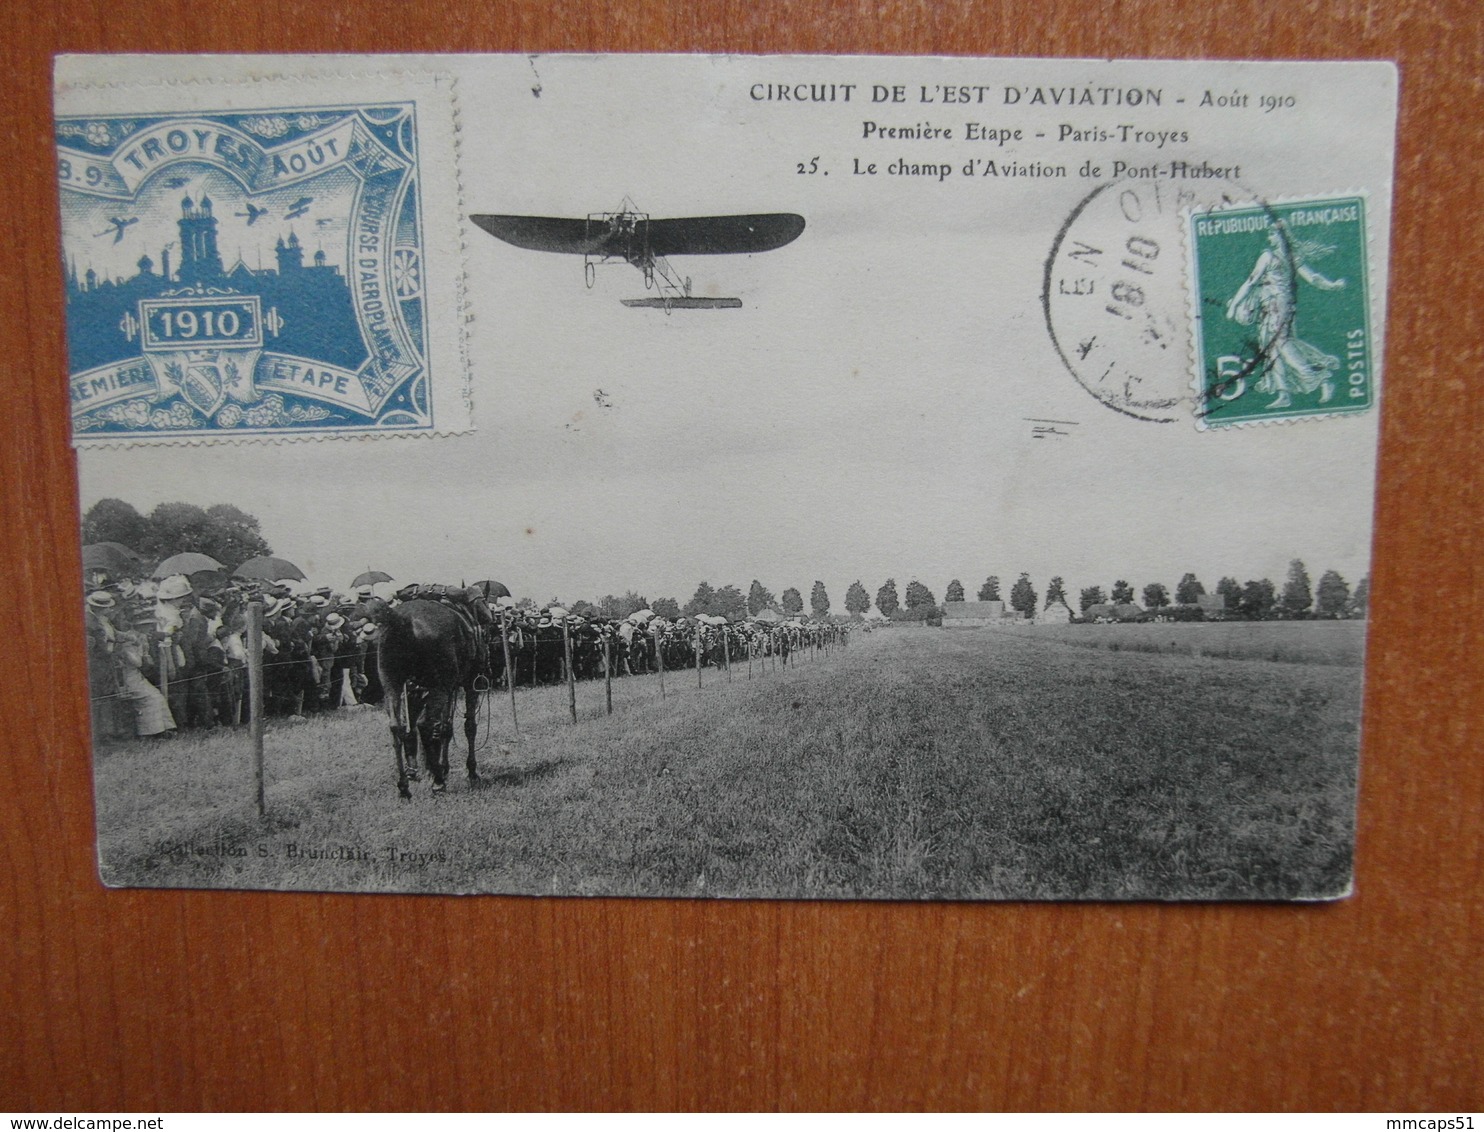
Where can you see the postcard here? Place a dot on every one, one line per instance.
(786, 477)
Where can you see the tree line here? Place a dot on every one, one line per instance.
(231, 536)
(226, 533)
(729, 601)
(1257, 599)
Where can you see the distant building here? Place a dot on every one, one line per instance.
(1212, 603)
(1057, 613)
(975, 614)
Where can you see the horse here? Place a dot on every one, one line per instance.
(427, 653)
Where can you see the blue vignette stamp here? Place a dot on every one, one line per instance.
(245, 274)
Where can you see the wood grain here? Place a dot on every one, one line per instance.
(177, 1000)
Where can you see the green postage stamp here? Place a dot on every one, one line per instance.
(1282, 311)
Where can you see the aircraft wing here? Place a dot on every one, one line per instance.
(691, 235)
(724, 235)
(545, 233)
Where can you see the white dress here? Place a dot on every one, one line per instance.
(151, 712)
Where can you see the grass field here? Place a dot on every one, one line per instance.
(913, 765)
(1293, 642)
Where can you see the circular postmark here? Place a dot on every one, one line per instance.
(1116, 295)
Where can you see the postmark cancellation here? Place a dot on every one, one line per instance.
(1266, 316)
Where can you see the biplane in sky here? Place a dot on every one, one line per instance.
(632, 237)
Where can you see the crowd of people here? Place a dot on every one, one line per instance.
(164, 657)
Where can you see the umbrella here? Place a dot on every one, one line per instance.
(267, 569)
(640, 615)
(208, 581)
(492, 589)
(114, 557)
(188, 563)
(369, 578)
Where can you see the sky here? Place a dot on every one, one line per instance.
(870, 412)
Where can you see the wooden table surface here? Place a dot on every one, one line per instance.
(179, 1000)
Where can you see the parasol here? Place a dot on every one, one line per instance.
(268, 569)
(114, 557)
(369, 578)
(190, 562)
(208, 581)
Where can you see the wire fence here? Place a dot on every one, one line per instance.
(246, 685)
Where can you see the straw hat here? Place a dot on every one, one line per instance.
(174, 587)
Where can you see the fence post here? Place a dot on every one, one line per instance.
(659, 656)
(698, 656)
(726, 650)
(608, 670)
(571, 677)
(509, 672)
(255, 695)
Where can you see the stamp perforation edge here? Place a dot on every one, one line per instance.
(1374, 306)
(417, 89)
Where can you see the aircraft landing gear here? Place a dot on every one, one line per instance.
(589, 274)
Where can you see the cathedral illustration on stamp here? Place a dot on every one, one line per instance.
(244, 274)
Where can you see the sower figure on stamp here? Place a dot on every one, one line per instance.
(1270, 298)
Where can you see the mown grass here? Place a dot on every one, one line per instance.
(924, 765)
(1290, 642)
